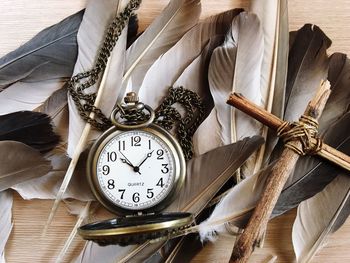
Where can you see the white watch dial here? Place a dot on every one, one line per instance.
(135, 170)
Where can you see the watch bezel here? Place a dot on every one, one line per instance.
(179, 169)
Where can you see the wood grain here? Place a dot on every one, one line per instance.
(21, 19)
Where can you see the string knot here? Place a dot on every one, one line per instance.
(305, 131)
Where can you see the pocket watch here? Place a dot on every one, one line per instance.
(135, 169)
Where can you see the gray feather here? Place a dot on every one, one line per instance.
(51, 54)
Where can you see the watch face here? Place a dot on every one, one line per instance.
(135, 169)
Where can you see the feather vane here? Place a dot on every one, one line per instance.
(19, 163)
(31, 128)
(5, 220)
(176, 19)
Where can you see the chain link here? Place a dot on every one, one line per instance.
(76, 86)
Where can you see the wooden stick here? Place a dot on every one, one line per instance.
(273, 122)
(279, 175)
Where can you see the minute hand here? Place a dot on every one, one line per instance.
(148, 156)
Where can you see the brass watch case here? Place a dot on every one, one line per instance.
(137, 229)
(167, 138)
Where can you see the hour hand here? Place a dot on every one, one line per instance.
(126, 160)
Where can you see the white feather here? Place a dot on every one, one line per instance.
(235, 66)
(26, 96)
(235, 207)
(5, 220)
(177, 18)
(320, 216)
(98, 15)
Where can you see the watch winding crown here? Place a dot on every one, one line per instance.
(131, 97)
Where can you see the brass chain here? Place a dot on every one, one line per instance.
(166, 115)
(85, 101)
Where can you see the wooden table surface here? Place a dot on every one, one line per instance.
(21, 19)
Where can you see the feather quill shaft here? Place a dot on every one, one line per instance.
(82, 216)
(78, 150)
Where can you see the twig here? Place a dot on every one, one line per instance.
(279, 174)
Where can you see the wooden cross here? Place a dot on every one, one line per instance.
(283, 167)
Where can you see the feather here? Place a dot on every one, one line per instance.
(311, 175)
(98, 14)
(49, 55)
(245, 194)
(47, 186)
(169, 67)
(311, 43)
(274, 19)
(18, 163)
(91, 33)
(193, 197)
(31, 128)
(307, 65)
(133, 27)
(320, 216)
(194, 78)
(5, 220)
(56, 106)
(236, 66)
(228, 72)
(308, 237)
(338, 103)
(30, 74)
(177, 18)
(79, 131)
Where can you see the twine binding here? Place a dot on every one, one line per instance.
(304, 131)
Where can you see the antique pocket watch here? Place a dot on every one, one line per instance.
(135, 169)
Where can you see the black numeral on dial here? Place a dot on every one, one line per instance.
(135, 141)
(136, 197)
(150, 193)
(160, 182)
(111, 156)
(160, 154)
(106, 169)
(121, 145)
(111, 184)
(121, 191)
(165, 168)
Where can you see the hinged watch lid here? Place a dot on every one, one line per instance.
(136, 229)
